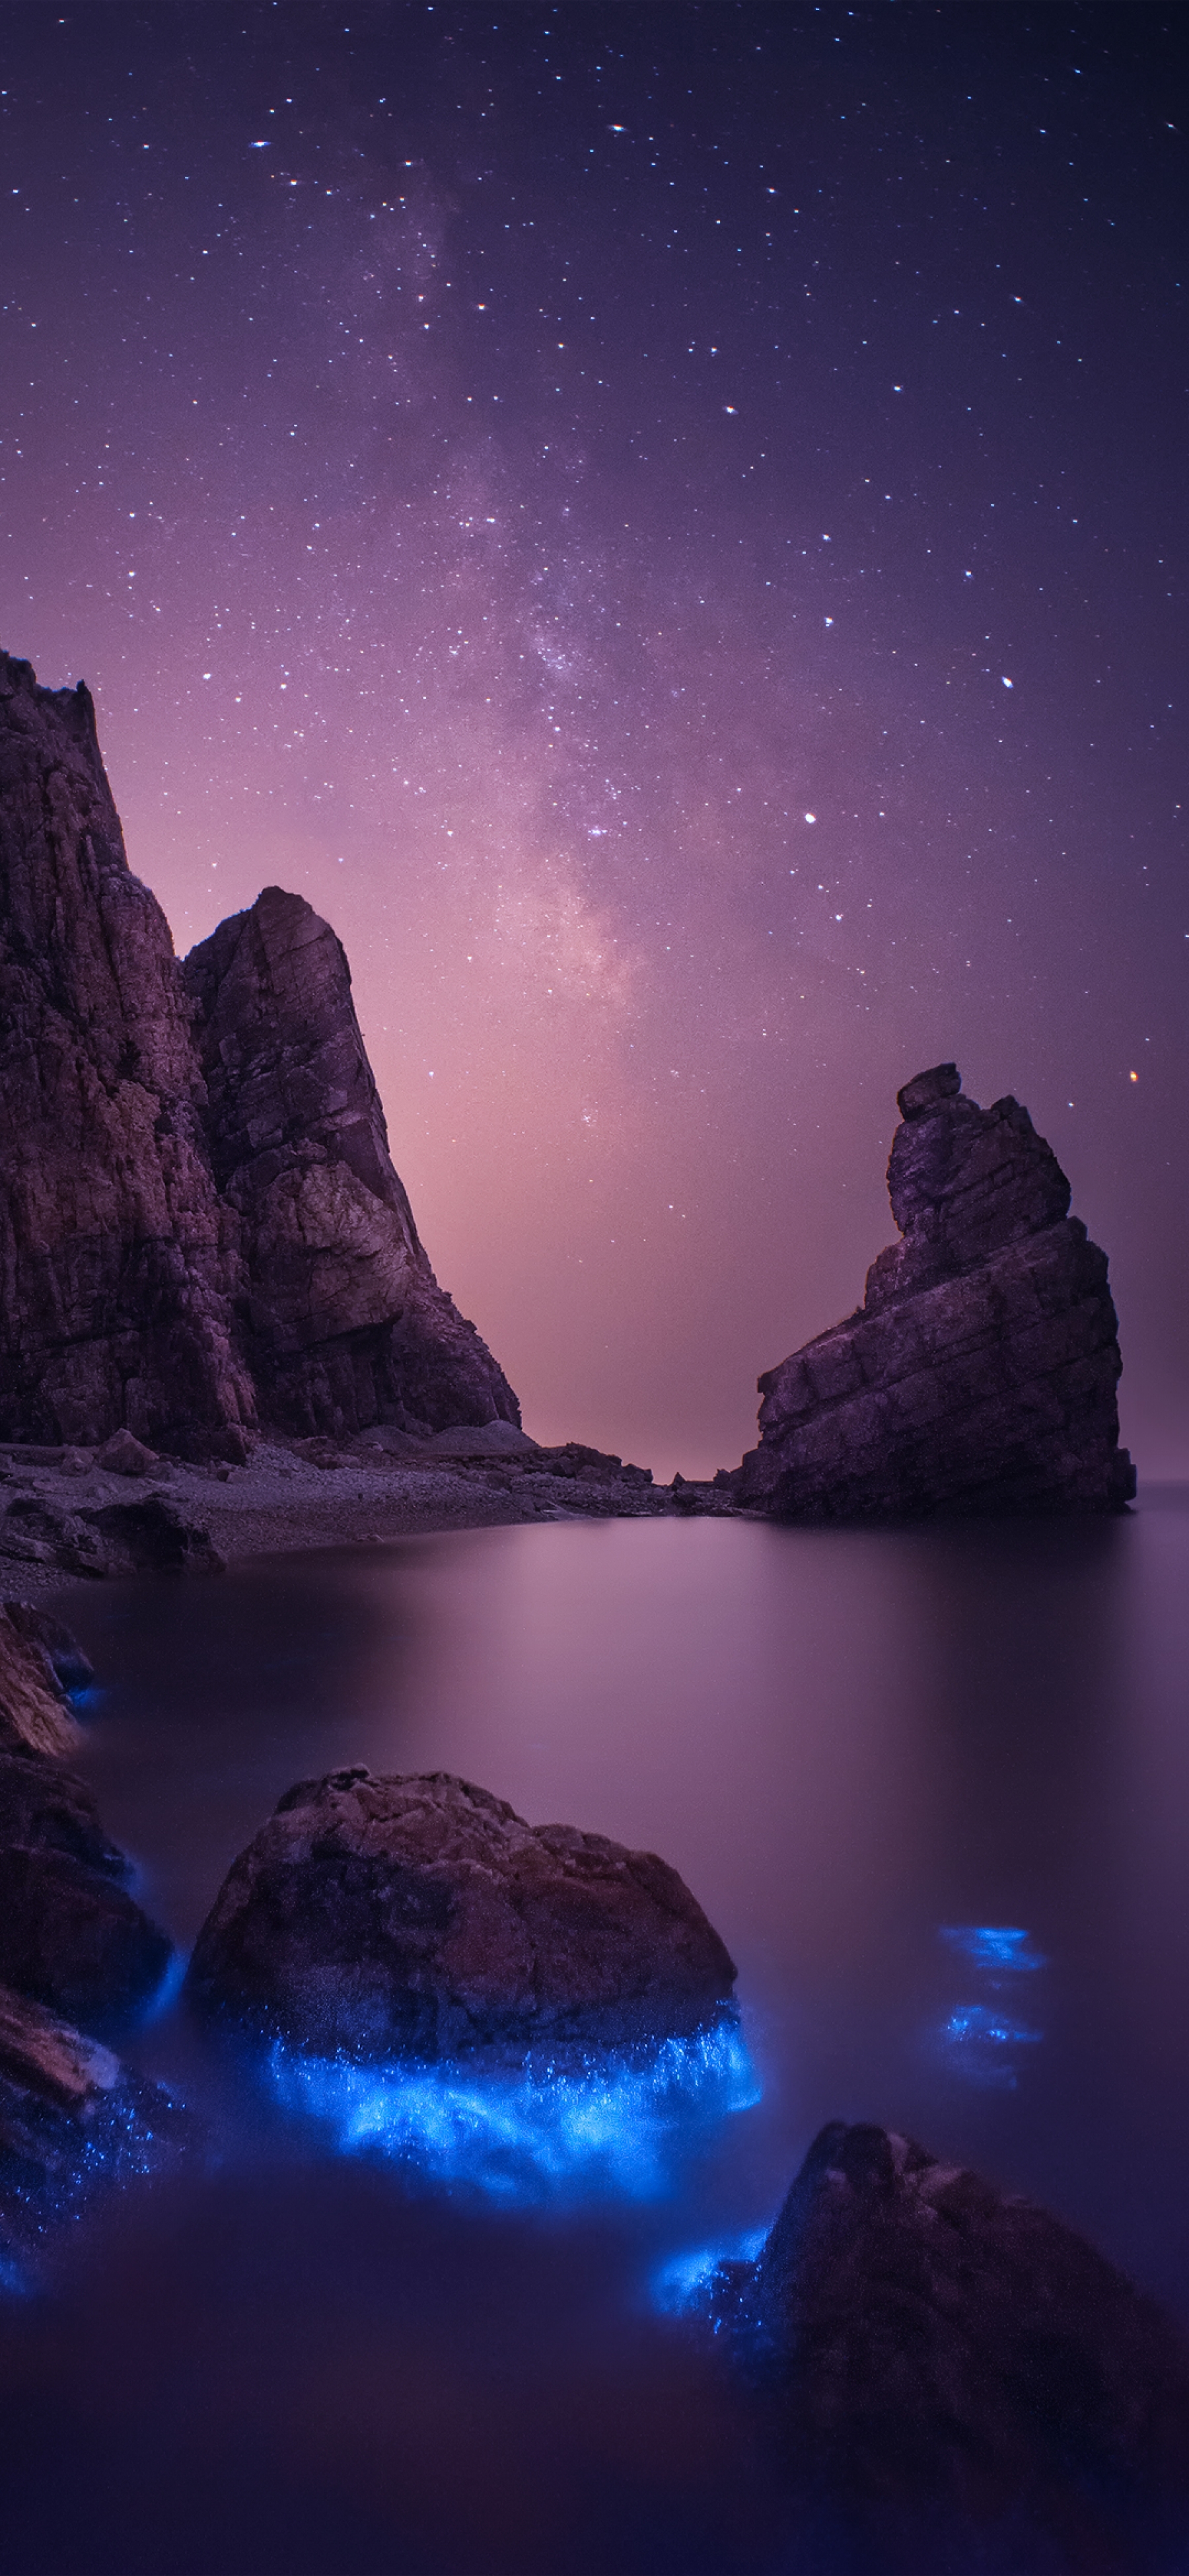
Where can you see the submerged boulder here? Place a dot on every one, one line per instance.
(931, 2341)
(346, 1323)
(72, 1936)
(979, 1374)
(421, 1917)
(71, 2117)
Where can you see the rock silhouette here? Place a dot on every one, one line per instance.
(200, 1225)
(979, 1374)
(422, 1917)
(117, 1260)
(931, 2341)
(347, 1325)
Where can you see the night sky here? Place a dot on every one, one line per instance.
(666, 524)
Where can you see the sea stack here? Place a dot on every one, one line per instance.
(200, 1227)
(346, 1325)
(979, 1374)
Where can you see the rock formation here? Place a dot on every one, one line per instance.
(180, 1255)
(72, 1937)
(931, 2341)
(979, 1374)
(346, 1323)
(421, 1917)
(117, 1262)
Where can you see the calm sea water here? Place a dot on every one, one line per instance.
(933, 1789)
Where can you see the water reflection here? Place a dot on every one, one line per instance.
(995, 1946)
(618, 2122)
(685, 2285)
(979, 2041)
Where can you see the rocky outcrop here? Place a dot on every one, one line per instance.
(117, 1261)
(72, 1937)
(979, 1374)
(347, 1324)
(199, 1219)
(421, 1917)
(34, 1716)
(71, 2117)
(933, 2341)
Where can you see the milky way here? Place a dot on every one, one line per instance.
(666, 524)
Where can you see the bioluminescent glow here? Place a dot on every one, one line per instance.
(980, 2043)
(610, 2123)
(130, 2132)
(996, 1946)
(684, 2284)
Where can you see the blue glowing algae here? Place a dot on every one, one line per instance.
(610, 2123)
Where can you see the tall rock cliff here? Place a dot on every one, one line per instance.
(117, 1261)
(979, 1374)
(346, 1323)
(179, 1260)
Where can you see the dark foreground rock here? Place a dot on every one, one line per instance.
(931, 2344)
(71, 1668)
(34, 1715)
(979, 1375)
(421, 1917)
(152, 1536)
(72, 1937)
(71, 2117)
(346, 1324)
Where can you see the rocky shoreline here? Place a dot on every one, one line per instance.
(295, 1494)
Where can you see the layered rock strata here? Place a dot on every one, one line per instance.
(931, 2340)
(979, 1374)
(200, 1223)
(346, 1323)
(422, 1917)
(117, 1260)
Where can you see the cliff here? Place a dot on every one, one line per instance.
(346, 1324)
(117, 1261)
(200, 1225)
(979, 1374)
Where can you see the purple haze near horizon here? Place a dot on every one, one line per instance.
(665, 525)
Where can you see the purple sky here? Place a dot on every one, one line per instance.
(666, 523)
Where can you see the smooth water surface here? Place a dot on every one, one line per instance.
(932, 1788)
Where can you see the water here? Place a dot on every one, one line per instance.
(933, 1789)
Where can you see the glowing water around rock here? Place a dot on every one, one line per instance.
(614, 2123)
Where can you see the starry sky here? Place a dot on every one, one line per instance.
(666, 524)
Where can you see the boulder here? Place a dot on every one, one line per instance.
(389, 1917)
(71, 1668)
(931, 2341)
(123, 1455)
(148, 1537)
(46, 1808)
(154, 1537)
(117, 1257)
(979, 1375)
(33, 1712)
(71, 1935)
(70, 2117)
(346, 1323)
(483, 1440)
